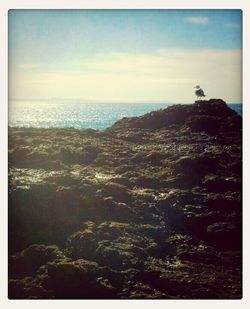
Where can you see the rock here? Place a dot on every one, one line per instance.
(147, 182)
(17, 156)
(224, 235)
(117, 191)
(27, 288)
(78, 279)
(200, 254)
(52, 212)
(176, 114)
(111, 230)
(204, 123)
(155, 157)
(121, 212)
(223, 203)
(149, 208)
(28, 261)
(81, 244)
(79, 156)
(124, 252)
(138, 290)
(221, 184)
(196, 165)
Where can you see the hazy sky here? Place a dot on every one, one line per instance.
(125, 55)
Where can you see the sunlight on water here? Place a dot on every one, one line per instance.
(77, 115)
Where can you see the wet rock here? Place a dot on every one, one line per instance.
(78, 279)
(79, 156)
(149, 208)
(81, 244)
(138, 290)
(147, 182)
(122, 212)
(196, 164)
(223, 203)
(200, 254)
(224, 235)
(17, 156)
(28, 261)
(221, 184)
(204, 123)
(29, 288)
(50, 212)
(124, 252)
(176, 114)
(111, 230)
(117, 191)
(155, 157)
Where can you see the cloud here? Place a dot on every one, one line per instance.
(165, 75)
(200, 20)
(28, 66)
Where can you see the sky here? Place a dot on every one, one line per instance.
(125, 55)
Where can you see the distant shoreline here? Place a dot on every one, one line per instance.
(84, 101)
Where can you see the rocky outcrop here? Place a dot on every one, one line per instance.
(149, 208)
(210, 116)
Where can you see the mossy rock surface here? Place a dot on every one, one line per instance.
(149, 208)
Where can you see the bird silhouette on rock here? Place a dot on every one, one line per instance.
(199, 92)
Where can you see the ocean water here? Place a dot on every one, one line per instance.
(79, 115)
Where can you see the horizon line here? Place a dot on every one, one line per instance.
(82, 101)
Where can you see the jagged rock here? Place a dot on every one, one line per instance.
(200, 254)
(224, 235)
(223, 203)
(204, 123)
(78, 279)
(28, 261)
(124, 252)
(111, 230)
(81, 244)
(149, 208)
(28, 287)
(221, 184)
(78, 156)
(202, 111)
(117, 191)
(196, 165)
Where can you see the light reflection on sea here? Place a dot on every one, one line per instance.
(78, 115)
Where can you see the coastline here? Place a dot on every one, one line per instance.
(86, 115)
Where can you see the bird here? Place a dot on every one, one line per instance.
(199, 92)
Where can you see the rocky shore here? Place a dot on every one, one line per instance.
(149, 208)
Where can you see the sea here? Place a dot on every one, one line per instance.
(45, 114)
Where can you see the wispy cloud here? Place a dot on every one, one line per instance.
(163, 75)
(28, 66)
(200, 20)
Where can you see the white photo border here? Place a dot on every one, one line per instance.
(5, 6)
